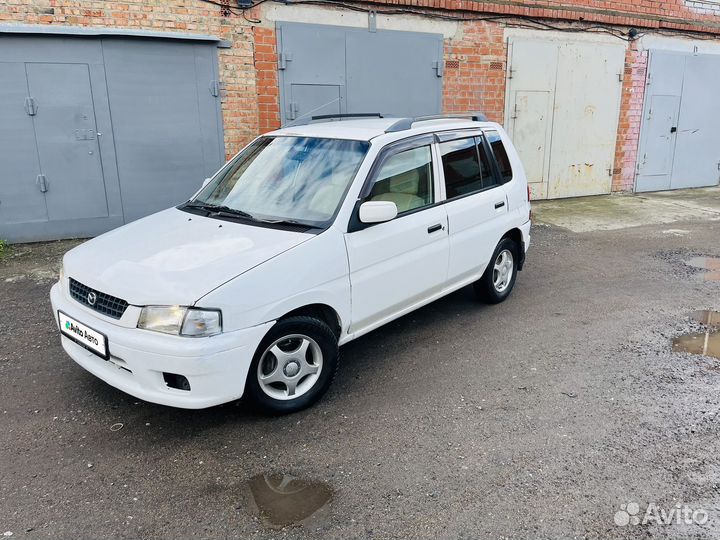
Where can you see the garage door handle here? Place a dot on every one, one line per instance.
(434, 228)
(42, 182)
(499, 204)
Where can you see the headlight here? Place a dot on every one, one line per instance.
(180, 320)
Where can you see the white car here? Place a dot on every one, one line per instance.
(310, 237)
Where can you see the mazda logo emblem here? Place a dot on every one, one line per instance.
(91, 298)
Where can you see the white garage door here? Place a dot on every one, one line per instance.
(563, 103)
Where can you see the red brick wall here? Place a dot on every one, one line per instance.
(474, 78)
(667, 14)
(631, 107)
(268, 94)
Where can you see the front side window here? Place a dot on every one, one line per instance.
(406, 179)
(465, 166)
(501, 156)
(298, 179)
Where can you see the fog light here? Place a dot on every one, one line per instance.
(179, 382)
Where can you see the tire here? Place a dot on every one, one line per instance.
(281, 368)
(495, 285)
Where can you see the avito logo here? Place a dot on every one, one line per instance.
(81, 333)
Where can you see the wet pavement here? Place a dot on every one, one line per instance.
(561, 413)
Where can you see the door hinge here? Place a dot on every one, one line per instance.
(372, 20)
(31, 106)
(292, 110)
(439, 67)
(283, 59)
(216, 88)
(42, 182)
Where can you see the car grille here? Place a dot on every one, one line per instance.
(104, 303)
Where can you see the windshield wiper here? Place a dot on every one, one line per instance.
(288, 222)
(220, 210)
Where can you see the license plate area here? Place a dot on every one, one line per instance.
(85, 336)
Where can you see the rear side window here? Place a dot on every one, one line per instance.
(466, 167)
(501, 156)
(405, 179)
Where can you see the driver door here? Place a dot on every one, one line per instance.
(400, 264)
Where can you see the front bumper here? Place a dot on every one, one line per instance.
(216, 367)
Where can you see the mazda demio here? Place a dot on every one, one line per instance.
(310, 237)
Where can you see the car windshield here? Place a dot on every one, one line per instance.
(286, 179)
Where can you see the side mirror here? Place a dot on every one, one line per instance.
(206, 182)
(378, 211)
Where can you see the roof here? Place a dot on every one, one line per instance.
(367, 129)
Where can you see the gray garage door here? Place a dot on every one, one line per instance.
(333, 69)
(679, 138)
(96, 132)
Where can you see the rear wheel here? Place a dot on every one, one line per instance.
(499, 278)
(293, 366)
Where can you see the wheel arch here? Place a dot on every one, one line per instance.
(516, 236)
(323, 312)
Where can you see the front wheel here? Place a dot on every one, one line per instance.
(499, 278)
(293, 366)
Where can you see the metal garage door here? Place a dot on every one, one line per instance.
(332, 69)
(679, 139)
(97, 132)
(562, 112)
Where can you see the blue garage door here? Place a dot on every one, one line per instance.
(96, 132)
(333, 69)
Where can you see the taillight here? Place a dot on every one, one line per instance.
(529, 205)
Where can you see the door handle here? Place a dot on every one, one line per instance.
(673, 129)
(499, 204)
(434, 228)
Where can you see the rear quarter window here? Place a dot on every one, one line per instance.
(501, 157)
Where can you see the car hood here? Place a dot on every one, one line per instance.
(174, 257)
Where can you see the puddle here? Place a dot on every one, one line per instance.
(707, 317)
(705, 343)
(711, 264)
(284, 500)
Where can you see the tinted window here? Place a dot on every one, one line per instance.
(405, 179)
(501, 156)
(465, 166)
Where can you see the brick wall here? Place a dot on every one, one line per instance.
(474, 78)
(268, 92)
(631, 107)
(659, 14)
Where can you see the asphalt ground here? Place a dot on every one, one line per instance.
(535, 418)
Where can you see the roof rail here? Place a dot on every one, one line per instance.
(407, 123)
(307, 120)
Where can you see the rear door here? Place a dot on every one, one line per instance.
(476, 205)
(395, 266)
